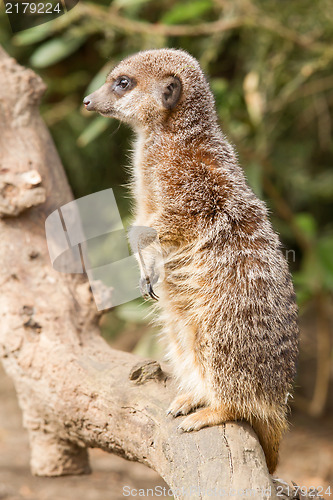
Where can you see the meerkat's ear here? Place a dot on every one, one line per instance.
(171, 91)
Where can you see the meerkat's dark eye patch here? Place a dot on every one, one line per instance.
(122, 84)
(171, 92)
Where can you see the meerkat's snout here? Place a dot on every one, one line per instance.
(100, 101)
(87, 102)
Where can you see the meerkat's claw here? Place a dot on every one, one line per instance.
(147, 290)
(151, 292)
(175, 414)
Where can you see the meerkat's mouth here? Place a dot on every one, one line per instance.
(91, 105)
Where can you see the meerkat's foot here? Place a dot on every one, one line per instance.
(183, 404)
(204, 418)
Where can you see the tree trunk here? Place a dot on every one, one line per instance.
(76, 392)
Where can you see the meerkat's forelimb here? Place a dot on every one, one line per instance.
(145, 245)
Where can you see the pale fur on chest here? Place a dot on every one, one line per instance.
(138, 181)
(143, 182)
(178, 337)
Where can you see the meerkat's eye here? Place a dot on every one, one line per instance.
(122, 84)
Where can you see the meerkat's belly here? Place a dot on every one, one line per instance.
(189, 359)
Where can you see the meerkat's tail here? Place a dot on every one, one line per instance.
(269, 432)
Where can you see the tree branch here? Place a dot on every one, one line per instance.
(111, 17)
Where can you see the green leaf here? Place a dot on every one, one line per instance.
(219, 86)
(129, 3)
(187, 11)
(94, 129)
(303, 293)
(316, 272)
(324, 253)
(307, 224)
(33, 35)
(309, 279)
(254, 176)
(55, 50)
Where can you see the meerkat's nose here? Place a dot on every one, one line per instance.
(88, 103)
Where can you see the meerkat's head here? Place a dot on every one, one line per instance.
(154, 88)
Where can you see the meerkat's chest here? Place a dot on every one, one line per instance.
(144, 185)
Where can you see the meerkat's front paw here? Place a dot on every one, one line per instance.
(203, 418)
(183, 404)
(146, 288)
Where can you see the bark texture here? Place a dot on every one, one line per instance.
(75, 392)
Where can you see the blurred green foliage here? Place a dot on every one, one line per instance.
(270, 64)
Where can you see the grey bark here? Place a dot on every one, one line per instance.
(76, 392)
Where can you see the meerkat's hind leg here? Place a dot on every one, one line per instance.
(184, 404)
(206, 417)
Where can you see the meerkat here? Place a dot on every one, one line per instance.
(227, 303)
